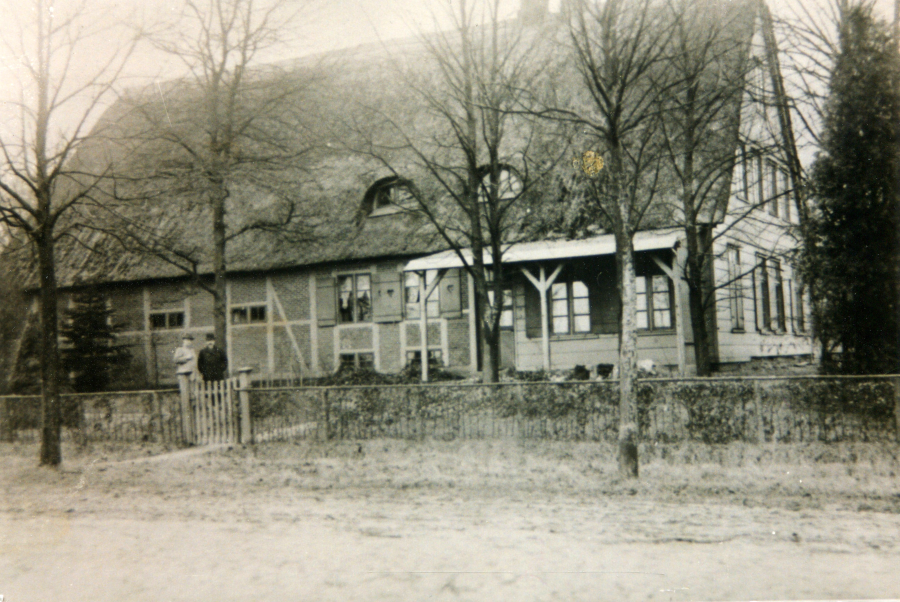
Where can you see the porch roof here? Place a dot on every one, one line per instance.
(544, 250)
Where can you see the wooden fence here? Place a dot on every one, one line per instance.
(216, 411)
(711, 410)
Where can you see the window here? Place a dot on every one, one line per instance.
(746, 174)
(736, 287)
(389, 195)
(414, 358)
(357, 361)
(779, 322)
(785, 188)
(161, 320)
(654, 302)
(432, 307)
(770, 295)
(506, 312)
(770, 188)
(508, 185)
(570, 308)
(799, 309)
(248, 314)
(354, 298)
(764, 310)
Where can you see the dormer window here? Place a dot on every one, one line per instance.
(509, 185)
(389, 195)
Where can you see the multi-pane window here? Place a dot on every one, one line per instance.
(735, 287)
(654, 302)
(740, 173)
(764, 309)
(799, 313)
(779, 321)
(769, 295)
(506, 311)
(509, 186)
(784, 187)
(354, 298)
(393, 193)
(771, 187)
(359, 361)
(248, 314)
(414, 358)
(432, 306)
(160, 320)
(570, 308)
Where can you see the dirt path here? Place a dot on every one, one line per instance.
(440, 522)
(345, 550)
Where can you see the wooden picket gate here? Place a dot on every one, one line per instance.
(215, 419)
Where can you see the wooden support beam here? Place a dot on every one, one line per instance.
(290, 331)
(542, 283)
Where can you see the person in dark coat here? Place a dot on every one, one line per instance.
(212, 361)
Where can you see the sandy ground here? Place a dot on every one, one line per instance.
(385, 520)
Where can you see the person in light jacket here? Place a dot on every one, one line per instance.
(186, 359)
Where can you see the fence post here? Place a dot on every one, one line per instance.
(757, 402)
(6, 431)
(244, 395)
(187, 417)
(897, 407)
(156, 423)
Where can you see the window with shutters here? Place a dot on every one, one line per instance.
(354, 296)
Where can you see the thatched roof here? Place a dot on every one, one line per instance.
(332, 100)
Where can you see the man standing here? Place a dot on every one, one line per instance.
(212, 361)
(186, 369)
(185, 359)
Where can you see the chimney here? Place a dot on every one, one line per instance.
(532, 12)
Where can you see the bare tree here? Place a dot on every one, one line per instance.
(221, 146)
(616, 50)
(484, 157)
(40, 179)
(701, 91)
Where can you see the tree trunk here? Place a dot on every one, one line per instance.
(219, 297)
(51, 410)
(628, 427)
(702, 354)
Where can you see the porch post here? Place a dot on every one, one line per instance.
(545, 321)
(542, 284)
(674, 273)
(423, 327)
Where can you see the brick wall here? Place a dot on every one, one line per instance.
(293, 292)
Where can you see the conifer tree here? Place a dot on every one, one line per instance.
(852, 260)
(91, 352)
